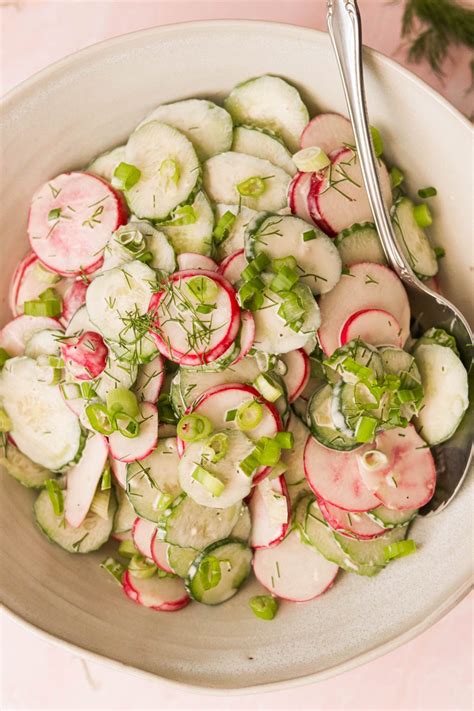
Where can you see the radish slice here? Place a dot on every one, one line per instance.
(297, 374)
(190, 260)
(334, 476)
(71, 219)
(293, 570)
(27, 284)
(337, 196)
(162, 594)
(366, 286)
(82, 479)
(408, 480)
(247, 335)
(143, 532)
(232, 266)
(127, 449)
(298, 196)
(159, 553)
(374, 326)
(119, 469)
(150, 380)
(185, 335)
(85, 357)
(328, 131)
(73, 299)
(269, 507)
(15, 335)
(350, 523)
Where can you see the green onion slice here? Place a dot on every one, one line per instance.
(127, 549)
(267, 387)
(139, 567)
(99, 418)
(309, 235)
(251, 187)
(125, 176)
(122, 400)
(268, 451)
(377, 141)
(399, 549)
(209, 572)
(250, 464)
(106, 480)
(284, 280)
(50, 307)
(165, 410)
(203, 288)
(250, 295)
(264, 606)
(373, 460)
(182, 215)
(194, 427)
(439, 252)
(216, 447)
(55, 496)
(279, 263)
(125, 424)
(169, 170)
(365, 428)
(396, 177)
(54, 214)
(249, 414)
(427, 192)
(422, 215)
(311, 160)
(285, 440)
(224, 226)
(210, 482)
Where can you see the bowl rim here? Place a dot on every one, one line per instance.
(19, 93)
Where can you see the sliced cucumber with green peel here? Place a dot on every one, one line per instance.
(243, 527)
(262, 144)
(180, 559)
(219, 571)
(105, 164)
(321, 422)
(390, 518)
(396, 361)
(125, 515)
(360, 243)
(233, 239)
(140, 238)
(190, 229)
(89, 536)
(153, 483)
(413, 241)
(23, 469)
(371, 552)
(187, 524)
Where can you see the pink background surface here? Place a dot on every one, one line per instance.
(431, 672)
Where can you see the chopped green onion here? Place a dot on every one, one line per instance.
(183, 215)
(373, 460)
(166, 413)
(267, 387)
(230, 415)
(87, 391)
(70, 391)
(4, 356)
(50, 307)
(169, 170)
(139, 567)
(194, 427)
(45, 275)
(439, 252)
(99, 418)
(422, 215)
(266, 361)
(427, 192)
(284, 280)
(364, 373)
(365, 428)
(410, 394)
(311, 160)
(399, 549)
(146, 257)
(249, 414)
(125, 424)
(250, 463)
(396, 177)
(113, 567)
(377, 141)
(5, 422)
(255, 267)
(127, 549)
(162, 502)
(278, 264)
(210, 482)
(204, 308)
(122, 400)
(285, 440)
(264, 606)
(125, 176)
(130, 238)
(54, 214)
(250, 294)
(216, 447)
(106, 480)
(268, 451)
(49, 294)
(309, 235)
(55, 496)
(209, 572)
(251, 187)
(50, 361)
(203, 288)
(224, 226)
(292, 309)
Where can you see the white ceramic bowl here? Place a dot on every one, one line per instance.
(91, 101)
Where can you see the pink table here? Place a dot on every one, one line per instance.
(431, 672)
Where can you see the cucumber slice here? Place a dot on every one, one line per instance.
(269, 102)
(363, 353)
(233, 561)
(125, 515)
(390, 518)
(43, 427)
(23, 469)
(162, 253)
(396, 361)
(156, 194)
(446, 389)
(262, 144)
(189, 525)
(360, 243)
(371, 552)
(243, 527)
(105, 164)
(89, 536)
(413, 241)
(319, 263)
(234, 241)
(180, 559)
(294, 458)
(321, 422)
(206, 125)
(222, 174)
(438, 336)
(153, 482)
(45, 342)
(195, 235)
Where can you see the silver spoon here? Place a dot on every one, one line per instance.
(452, 457)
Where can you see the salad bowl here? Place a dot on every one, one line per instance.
(88, 103)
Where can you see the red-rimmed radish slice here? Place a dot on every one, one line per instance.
(85, 357)
(82, 479)
(298, 196)
(366, 286)
(408, 479)
(191, 260)
(130, 449)
(232, 266)
(73, 299)
(338, 198)
(297, 374)
(27, 283)
(119, 470)
(162, 594)
(374, 326)
(71, 219)
(143, 532)
(15, 334)
(328, 131)
(247, 335)
(334, 476)
(188, 336)
(270, 511)
(150, 380)
(293, 570)
(159, 554)
(350, 523)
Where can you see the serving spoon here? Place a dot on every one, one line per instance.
(452, 458)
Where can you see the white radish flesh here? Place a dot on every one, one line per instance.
(374, 326)
(328, 132)
(143, 532)
(269, 508)
(127, 449)
(82, 479)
